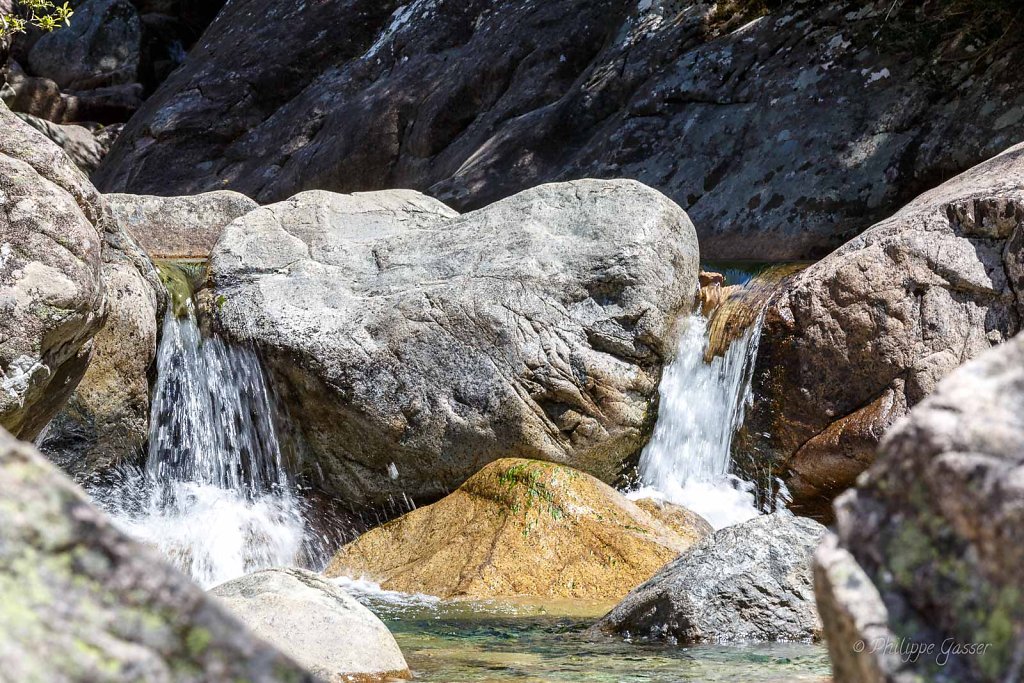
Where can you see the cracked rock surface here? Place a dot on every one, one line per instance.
(781, 137)
(412, 345)
(856, 339)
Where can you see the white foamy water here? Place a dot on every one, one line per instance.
(215, 496)
(688, 459)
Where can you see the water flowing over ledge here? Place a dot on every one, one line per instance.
(688, 460)
(215, 495)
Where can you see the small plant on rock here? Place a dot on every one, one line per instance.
(43, 14)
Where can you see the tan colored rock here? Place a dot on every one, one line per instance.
(522, 528)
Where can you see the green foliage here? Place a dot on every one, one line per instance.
(537, 491)
(43, 14)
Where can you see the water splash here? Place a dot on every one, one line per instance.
(215, 496)
(688, 460)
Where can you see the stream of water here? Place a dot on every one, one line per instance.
(214, 496)
(688, 460)
(448, 641)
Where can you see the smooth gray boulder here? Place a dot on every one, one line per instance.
(852, 342)
(418, 345)
(749, 582)
(52, 296)
(178, 227)
(100, 48)
(929, 546)
(317, 623)
(82, 602)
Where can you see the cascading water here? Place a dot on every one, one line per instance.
(688, 459)
(215, 496)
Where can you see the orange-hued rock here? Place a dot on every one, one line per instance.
(524, 528)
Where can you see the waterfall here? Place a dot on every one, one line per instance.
(688, 459)
(215, 496)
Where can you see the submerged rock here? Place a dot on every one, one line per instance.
(780, 136)
(52, 303)
(414, 345)
(523, 528)
(82, 602)
(179, 227)
(749, 582)
(316, 623)
(853, 341)
(930, 544)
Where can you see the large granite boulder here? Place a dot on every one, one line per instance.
(929, 546)
(823, 116)
(417, 345)
(52, 303)
(316, 623)
(523, 528)
(749, 582)
(178, 227)
(82, 602)
(100, 48)
(853, 341)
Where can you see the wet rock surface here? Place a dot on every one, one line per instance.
(852, 342)
(781, 137)
(415, 345)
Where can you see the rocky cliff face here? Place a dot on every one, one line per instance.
(781, 137)
(928, 547)
(853, 341)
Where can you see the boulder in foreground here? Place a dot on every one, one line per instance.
(82, 602)
(419, 345)
(749, 582)
(522, 528)
(930, 544)
(316, 623)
